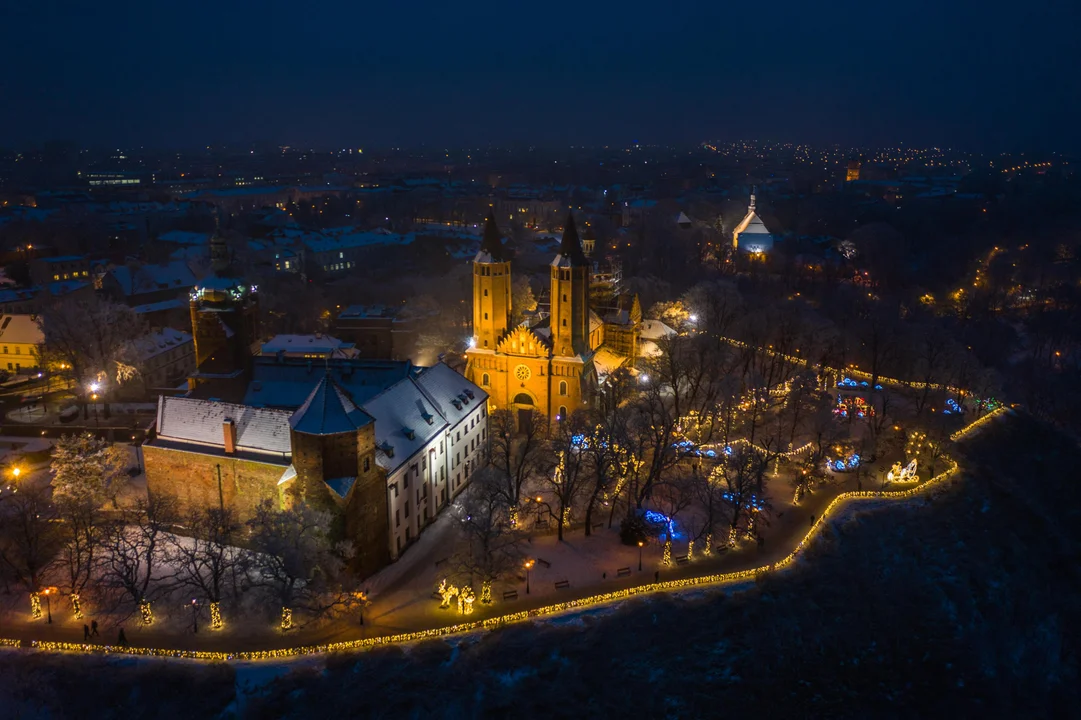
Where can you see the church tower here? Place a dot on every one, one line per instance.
(570, 296)
(224, 320)
(491, 289)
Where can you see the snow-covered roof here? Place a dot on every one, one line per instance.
(288, 384)
(450, 392)
(655, 330)
(156, 343)
(328, 411)
(402, 414)
(21, 329)
(317, 344)
(201, 421)
(136, 280)
(606, 361)
(174, 304)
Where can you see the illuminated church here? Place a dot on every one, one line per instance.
(550, 367)
(751, 234)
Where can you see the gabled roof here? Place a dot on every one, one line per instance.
(200, 421)
(570, 248)
(491, 246)
(328, 411)
(137, 280)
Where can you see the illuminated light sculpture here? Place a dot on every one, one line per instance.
(145, 613)
(287, 619)
(35, 606)
(76, 606)
(215, 616)
(905, 474)
(446, 592)
(465, 601)
(486, 592)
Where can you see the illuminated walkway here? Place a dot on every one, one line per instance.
(604, 599)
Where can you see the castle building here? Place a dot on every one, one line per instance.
(548, 367)
(383, 446)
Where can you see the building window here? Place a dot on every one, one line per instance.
(485, 316)
(562, 412)
(397, 518)
(563, 387)
(485, 380)
(564, 322)
(365, 464)
(485, 292)
(564, 297)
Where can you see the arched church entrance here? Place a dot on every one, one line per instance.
(523, 403)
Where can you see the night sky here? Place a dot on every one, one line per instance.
(975, 75)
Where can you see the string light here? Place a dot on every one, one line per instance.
(486, 592)
(690, 550)
(76, 606)
(144, 611)
(35, 606)
(524, 615)
(287, 618)
(708, 549)
(215, 616)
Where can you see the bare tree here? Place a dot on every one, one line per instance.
(133, 553)
(206, 561)
(294, 561)
(739, 473)
(86, 469)
(565, 473)
(489, 546)
(29, 537)
(515, 452)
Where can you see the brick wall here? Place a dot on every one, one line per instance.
(192, 479)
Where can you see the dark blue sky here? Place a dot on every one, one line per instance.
(961, 73)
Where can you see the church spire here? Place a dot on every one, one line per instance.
(754, 189)
(491, 243)
(570, 249)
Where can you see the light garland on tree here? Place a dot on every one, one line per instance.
(35, 606)
(666, 556)
(721, 579)
(215, 616)
(287, 618)
(76, 606)
(690, 550)
(486, 592)
(145, 612)
(708, 549)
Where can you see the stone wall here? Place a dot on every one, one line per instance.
(192, 478)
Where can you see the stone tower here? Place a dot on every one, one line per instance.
(333, 444)
(491, 289)
(570, 296)
(224, 319)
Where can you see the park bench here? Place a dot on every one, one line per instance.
(545, 563)
(510, 595)
(682, 560)
(598, 526)
(563, 584)
(623, 572)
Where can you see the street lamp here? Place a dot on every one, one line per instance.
(194, 615)
(48, 605)
(16, 472)
(528, 565)
(640, 544)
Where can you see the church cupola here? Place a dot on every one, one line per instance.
(491, 288)
(570, 296)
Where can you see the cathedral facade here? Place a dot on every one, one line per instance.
(544, 369)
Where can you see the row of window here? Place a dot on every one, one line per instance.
(72, 275)
(486, 381)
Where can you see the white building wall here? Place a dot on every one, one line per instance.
(432, 477)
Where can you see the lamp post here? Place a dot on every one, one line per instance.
(194, 615)
(528, 565)
(48, 605)
(640, 544)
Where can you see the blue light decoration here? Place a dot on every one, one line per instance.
(878, 387)
(952, 408)
(728, 450)
(845, 464)
(711, 453)
(848, 382)
(578, 440)
(658, 518)
(753, 502)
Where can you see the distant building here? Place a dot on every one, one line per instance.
(31, 301)
(316, 346)
(138, 284)
(163, 360)
(64, 267)
(853, 172)
(20, 342)
(751, 235)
